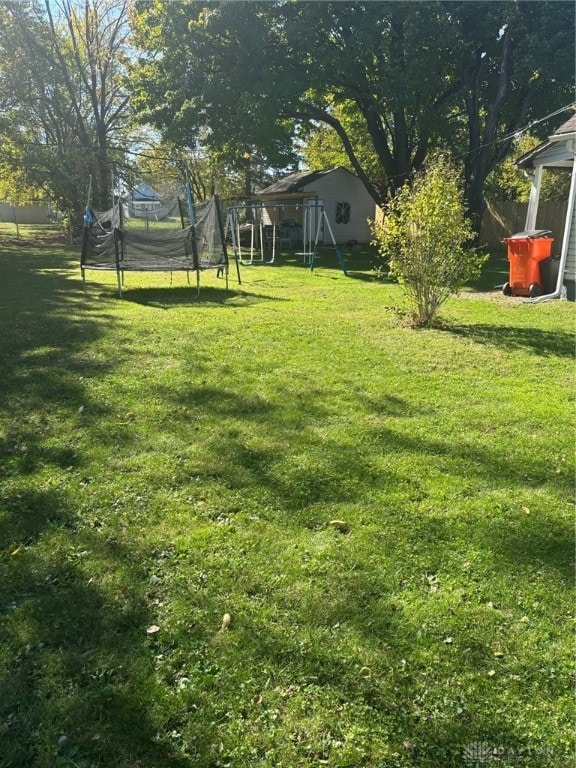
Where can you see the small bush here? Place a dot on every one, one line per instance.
(423, 239)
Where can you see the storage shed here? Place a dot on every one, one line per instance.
(343, 196)
(557, 152)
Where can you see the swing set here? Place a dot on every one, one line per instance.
(258, 230)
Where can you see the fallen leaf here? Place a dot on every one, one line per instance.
(16, 551)
(152, 629)
(226, 619)
(365, 672)
(409, 747)
(340, 525)
(448, 640)
(526, 510)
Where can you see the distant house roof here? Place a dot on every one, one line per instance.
(297, 182)
(527, 160)
(142, 193)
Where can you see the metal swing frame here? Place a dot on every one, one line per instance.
(310, 239)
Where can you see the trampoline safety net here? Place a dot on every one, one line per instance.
(145, 241)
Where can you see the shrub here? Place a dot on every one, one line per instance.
(423, 239)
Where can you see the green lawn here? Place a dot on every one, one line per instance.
(167, 460)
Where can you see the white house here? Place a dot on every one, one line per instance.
(143, 198)
(557, 152)
(344, 198)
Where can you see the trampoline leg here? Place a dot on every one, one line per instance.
(120, 279)
(198, 282)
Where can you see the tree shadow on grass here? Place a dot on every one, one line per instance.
(168, 298)
(39, 309)
(535, 340)
(300, 471)
(78, 682)
(71, 649)
(368, 277)
(303, 467)
(48, 328)
(76, 672)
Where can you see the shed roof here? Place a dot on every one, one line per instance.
(527, 160)
(297, 182)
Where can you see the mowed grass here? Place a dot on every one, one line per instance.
(175, 591)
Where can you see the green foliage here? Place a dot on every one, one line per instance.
(221, 68)
(507, 182)
(16, 184)
(390, 80)
(423, 239)
(64, 96)
(322, 147)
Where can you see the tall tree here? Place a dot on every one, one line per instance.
(321, 146)
(63, 86)
(254, 70)
(416, 74)
(515, 63)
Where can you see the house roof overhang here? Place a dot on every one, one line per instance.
(546, 153)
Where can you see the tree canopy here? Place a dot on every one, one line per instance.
(407, 76)
(64, 94)
(243, 86)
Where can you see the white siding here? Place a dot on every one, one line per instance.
(570, 271)
(340, 186)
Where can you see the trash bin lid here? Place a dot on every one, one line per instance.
(532, 233)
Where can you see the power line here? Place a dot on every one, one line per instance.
(169, 156)
(519, 131)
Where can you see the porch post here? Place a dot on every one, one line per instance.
(534, 198)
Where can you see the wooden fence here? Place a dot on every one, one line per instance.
(504, 219)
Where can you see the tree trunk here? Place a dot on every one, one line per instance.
(476, 204)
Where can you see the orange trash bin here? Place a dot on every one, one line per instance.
(525, 252)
